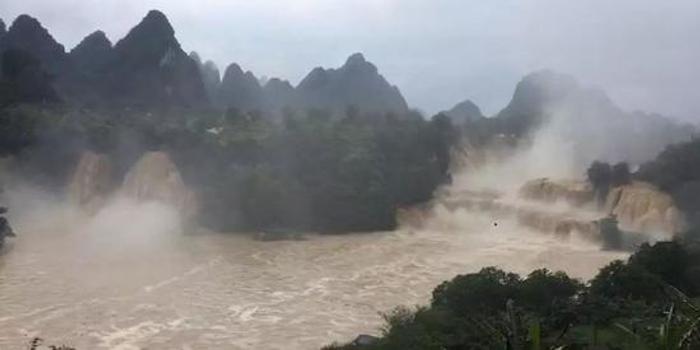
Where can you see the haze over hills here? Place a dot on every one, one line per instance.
(465, 111)
(208, 208)
(147, 69)
(553, 111)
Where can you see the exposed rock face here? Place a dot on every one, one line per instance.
(155, 177)
(28, 35)
(574, 192)
(641, 207)
(240, 90)
(151, 69)
(92, 181)
(464, 112)
(357, 83)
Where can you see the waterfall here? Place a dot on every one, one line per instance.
(155, 177)
(92, 181)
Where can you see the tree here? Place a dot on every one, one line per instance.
(484, 292)
(610, 233)
(600, 174)
(24, 80)
(620, 174)
(619, 281)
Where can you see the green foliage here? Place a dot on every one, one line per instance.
(628, 306)
(610, 233)
(482, 292)
(618, 280)
(24, 80)
(677, 171)
(312, 172)
(620, 174)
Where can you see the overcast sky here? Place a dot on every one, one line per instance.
(645, 53)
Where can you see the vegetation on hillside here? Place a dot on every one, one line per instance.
(677, 171)
(313, 171)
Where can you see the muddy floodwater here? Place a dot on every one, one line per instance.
(129, 278)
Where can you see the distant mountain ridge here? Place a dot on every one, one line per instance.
(464, 112)
(28, 35)
(555, 106)
(357, 83)
(149, 69)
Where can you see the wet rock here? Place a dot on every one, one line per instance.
(365, 340)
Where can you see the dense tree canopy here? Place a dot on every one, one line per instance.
(639, 304)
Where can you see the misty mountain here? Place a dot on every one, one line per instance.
(148, 69)
(93, 53)
(28, 35)
(240, 90)
(151, 69)
(533, 99)
(210, 75)
(463, 112)
(555, 106)
(3, 30)
(357, 83)
(279, 94)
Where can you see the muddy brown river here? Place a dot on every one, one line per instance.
(131, 278)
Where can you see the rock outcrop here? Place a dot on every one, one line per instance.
(155, 177)
(574, 192)
(641, 207)
(92, 181)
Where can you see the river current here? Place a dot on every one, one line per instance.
(132, 278)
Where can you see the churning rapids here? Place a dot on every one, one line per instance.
(131, 278)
